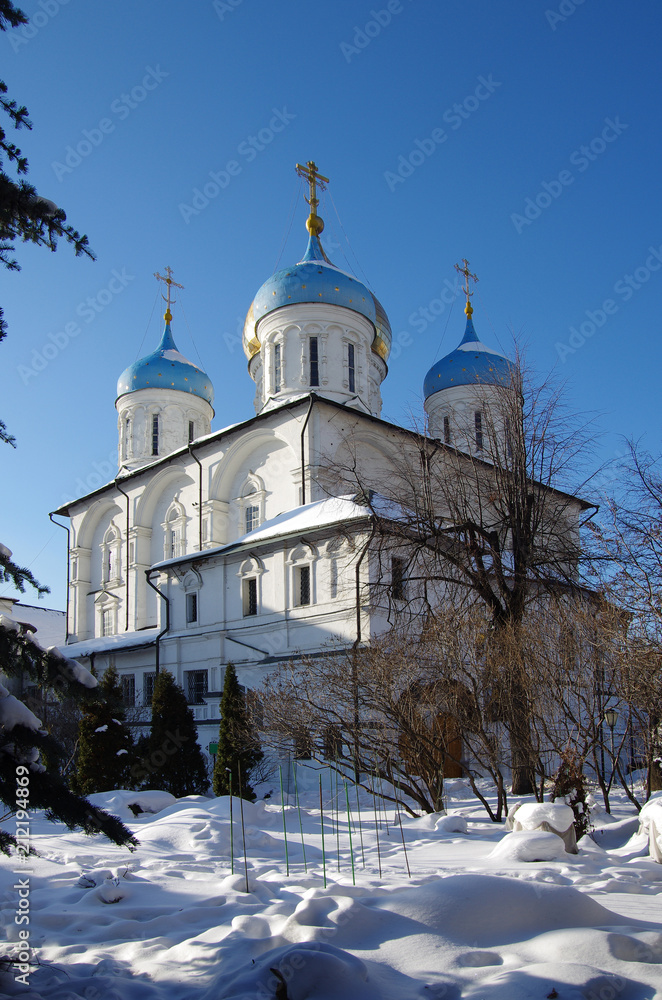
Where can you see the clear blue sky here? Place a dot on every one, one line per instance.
(170, 92)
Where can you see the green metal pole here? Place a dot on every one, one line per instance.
(337, 823)
(282, 809)
(322, 823)
(374, 806)
(349, 830)
(296, 792)
(358, 813)
(243, 829)
(231, 828)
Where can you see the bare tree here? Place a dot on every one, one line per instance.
(631, 539)
(490, 521)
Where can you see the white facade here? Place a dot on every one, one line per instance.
(211, 548)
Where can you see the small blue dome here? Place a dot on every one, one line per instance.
(471, 363)
(166, 368)
(316, 279)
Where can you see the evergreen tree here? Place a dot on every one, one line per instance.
(238, 749)
(25, 783)
(175, 763)
(105, 750)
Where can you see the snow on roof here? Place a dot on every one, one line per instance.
(108, 643)
(320, 513)
(51, 625)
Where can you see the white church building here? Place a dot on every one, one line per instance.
(237, 545)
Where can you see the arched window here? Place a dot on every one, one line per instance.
(126, 439)
(110, 556)
(155, 434)
(278, 368)
(174, 532)
(302, 561)
(251, 505)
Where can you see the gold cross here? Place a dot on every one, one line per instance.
(169, 283)
(314, 225)
(468, 276)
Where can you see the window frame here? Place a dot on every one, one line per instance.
(155, 434)
(398, 578)
(313, 361)
(351, 367)
(478, 429)
(249, 597)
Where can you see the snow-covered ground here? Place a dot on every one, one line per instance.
(475, 919)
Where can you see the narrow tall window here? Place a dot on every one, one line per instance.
(250, 596)
(191, 431)
(278, 368)
(148, 687)
(191, 608)
(107, 622)
(351, 371)
(196, 686)
(478, 424)
(397, 578)
(314, 362)
(128, 682)
(333, 579)
(447, 430)
(252, 517)
(509, 439)
(155, 434)
(303, 585)
(127, 438)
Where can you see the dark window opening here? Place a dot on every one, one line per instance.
(478, 423)
(277, 368)
(350, 368)
(304, 585)
(191, 608)
(128, 682)
(155, 434)
(196, 686)
(303, 745)
(397, 578)
(314, 362)
(250, 596)
(447, 430)
(148, 687)
(191, 431)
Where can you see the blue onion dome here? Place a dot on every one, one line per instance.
(471, 363)
(316, 279)
(166, 368)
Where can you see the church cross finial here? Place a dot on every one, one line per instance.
(468, 276)
(314, 225)
(168, 279)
